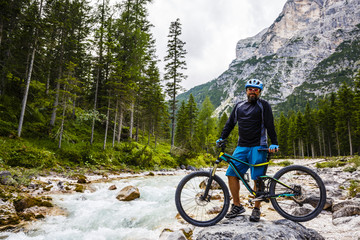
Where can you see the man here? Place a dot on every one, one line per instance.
(255, 120)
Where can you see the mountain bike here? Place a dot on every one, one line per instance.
(296, 192)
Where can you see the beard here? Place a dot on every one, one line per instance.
(252, 98)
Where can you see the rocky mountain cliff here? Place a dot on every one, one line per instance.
(310, 50)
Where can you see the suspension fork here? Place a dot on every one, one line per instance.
(211, 177)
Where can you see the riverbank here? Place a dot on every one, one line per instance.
(81, 182)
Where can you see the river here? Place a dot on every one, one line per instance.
(99, 215)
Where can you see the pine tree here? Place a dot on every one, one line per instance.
(173, 69)
(291, 140)
(207, 132)
(344, 112)
(182, 126)
(283, 134)
(192, 114)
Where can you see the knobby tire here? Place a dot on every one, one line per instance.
(196, 211)
(306, 205)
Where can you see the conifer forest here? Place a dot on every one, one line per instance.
(80, 85)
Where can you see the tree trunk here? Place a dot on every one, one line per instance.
(120, 125)
(98, 73)
(323, 141)
(115, 121)
(24, 101)
(62, 124)
(350, 141)
(319, 137)
(56, 102)
(337, 143)
(294, 147)
(28, 78)
(131, 119)
(48, 82)
(107, 122)
(313, 150)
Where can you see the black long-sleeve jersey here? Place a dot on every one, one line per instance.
(255, 121)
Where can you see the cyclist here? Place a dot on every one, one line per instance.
(255, 120)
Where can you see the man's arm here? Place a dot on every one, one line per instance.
(230, 124)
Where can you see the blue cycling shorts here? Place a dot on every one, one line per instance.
(250, 155)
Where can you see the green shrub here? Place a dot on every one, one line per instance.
(71, 155)
(354, 188)
(330, 164)
(30, 157)
(356, 161)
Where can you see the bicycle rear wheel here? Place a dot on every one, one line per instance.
(305, 201)
(191, 205)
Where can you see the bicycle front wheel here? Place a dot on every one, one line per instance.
(197, 209)
(300, 193)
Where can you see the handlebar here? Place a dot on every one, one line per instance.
(222, 144)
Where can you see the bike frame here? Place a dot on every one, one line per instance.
(229, 159)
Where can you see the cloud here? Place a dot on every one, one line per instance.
(211, 29)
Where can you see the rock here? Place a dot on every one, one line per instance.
(168, 234)
(81, 180)
(112, 187)
(242, 228)
(8, 214)
(6, 178)
(214, 185)
(191, 168)
(346, 211)
(28, 202)
(336, 207)
(128, 193)
(79, 188)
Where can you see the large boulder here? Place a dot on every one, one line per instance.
(128, 193)
(242, 228)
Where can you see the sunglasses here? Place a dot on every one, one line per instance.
(253, 89)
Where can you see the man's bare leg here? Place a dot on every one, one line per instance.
(234, 186)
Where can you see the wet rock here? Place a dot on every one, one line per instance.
(81, 180)
(79, 188)
(242, 228)
(8, 214)
(128, 193)
(28, 202)
(112, 187)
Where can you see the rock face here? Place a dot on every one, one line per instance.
(241, 228)
(128, 193)
(308, 48)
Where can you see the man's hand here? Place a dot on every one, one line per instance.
(219, 142)
(273, 148)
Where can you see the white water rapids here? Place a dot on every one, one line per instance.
(99, 215)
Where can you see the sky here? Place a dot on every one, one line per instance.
(211, 29)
